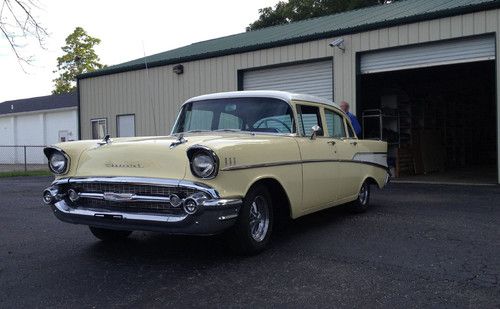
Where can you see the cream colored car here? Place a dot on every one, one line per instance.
(235, 162)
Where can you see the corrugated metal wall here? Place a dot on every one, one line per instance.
(156, 100)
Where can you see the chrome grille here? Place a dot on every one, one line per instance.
(129, 206)
(135, 189)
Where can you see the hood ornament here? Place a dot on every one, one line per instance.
(180, 140)
(105, 140)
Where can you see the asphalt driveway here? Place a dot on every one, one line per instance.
(419, 246)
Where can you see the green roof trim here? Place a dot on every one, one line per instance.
(370, 18)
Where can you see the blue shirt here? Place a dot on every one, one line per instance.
(355, 123)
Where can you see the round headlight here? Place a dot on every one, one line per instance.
(58, 162)
(203, 165)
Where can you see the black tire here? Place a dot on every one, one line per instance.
(362, 203)
(109, 235)
(252, 231)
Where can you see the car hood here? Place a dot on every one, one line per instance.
(161, 157)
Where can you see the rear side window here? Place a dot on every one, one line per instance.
(350, 130)
(308, 117)
(335, 124)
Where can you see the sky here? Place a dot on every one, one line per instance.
(127, 29)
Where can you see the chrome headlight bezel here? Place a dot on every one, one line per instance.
(197, 151)
(50, 152)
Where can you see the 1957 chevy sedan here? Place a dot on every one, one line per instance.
(235, 162)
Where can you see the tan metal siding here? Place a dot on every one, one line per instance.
(159, 97)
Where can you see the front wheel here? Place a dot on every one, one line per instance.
(362, 203)
(253, 229)
(109, 235)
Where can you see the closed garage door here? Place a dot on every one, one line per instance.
(434, 54)
(313, 78)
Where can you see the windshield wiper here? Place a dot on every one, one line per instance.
(197, 131)
(228, 130)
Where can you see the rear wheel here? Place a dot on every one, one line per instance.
(109, 235)
(252, 231)
(362, 203)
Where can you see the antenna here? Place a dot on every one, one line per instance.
(149, 89)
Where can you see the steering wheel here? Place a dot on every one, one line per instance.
(266, 121)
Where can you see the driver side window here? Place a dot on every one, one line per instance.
(309, 116)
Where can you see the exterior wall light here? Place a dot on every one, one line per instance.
(178, 69)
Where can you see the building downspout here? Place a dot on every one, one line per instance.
(79, 123)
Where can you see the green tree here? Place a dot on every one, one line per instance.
(79, 58)
(295, 10)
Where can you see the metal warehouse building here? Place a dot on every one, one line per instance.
(421, 74)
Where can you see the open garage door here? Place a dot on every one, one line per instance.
(315, 78)
(435, 105)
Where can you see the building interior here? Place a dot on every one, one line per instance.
(440, 122)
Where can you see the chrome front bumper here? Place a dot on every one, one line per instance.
(213, 214)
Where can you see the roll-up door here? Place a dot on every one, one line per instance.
(427, 55)
(315, 78)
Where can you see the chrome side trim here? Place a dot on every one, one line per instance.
(260, 165)
(165, 182)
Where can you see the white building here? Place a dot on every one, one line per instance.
(36, 122)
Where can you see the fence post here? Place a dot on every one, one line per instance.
(25, 163)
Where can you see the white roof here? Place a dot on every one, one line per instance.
(286, 96)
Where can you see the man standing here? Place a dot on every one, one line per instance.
(355, 123)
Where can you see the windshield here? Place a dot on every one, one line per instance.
(236, 114)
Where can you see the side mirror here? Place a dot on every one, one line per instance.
(315, 130)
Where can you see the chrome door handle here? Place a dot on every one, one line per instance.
(354, 143)
(331, 142)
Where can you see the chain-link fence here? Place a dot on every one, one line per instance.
(22, 158)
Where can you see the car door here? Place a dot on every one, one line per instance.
(318, 166)
(347, 172)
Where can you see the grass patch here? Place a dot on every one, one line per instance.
(23, 173)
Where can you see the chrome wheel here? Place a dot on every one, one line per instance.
(364, 193)
(259, 218)
(254, 226)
